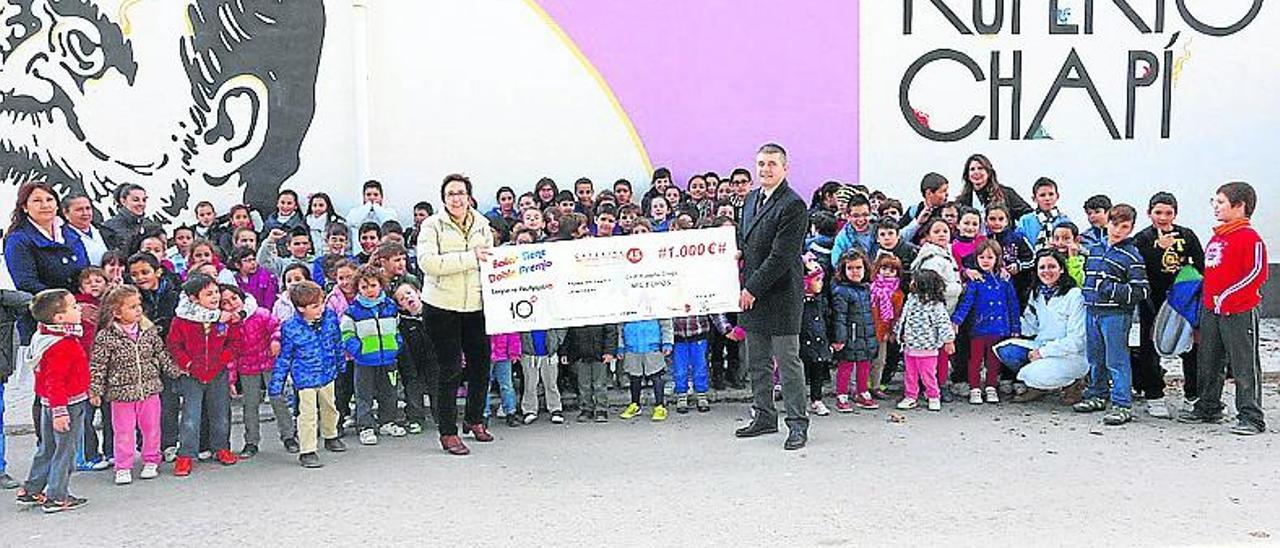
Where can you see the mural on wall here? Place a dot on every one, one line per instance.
(192, 99)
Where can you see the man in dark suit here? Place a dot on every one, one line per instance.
(771, 237)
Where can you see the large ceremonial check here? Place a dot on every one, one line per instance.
(610, 280)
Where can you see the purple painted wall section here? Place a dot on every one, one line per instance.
(705, 82)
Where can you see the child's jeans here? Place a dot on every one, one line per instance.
(982, 349)
(846, 369)
(251, 400)
(546, 369)
(922, 367)
(316, 404)
(1107, 344)
(374, 383)
(690, 357)
(126, 416)
(593, 386)
(212, 399)
(501, 373)
(170, 405)
(55, 457)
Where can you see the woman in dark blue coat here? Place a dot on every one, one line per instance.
(40, 249)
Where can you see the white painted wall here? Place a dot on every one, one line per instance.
(1225, 116)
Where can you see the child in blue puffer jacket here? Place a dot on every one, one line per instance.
(992, 303)
(311, 356)
(371, 335)
(644, 347)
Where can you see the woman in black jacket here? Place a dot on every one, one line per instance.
(980, 181)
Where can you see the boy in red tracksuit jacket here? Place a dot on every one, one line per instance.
(62, 384)
(1235, 269)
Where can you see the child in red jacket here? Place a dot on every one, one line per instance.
(1235, 264)
(62, 384)
(204, 351)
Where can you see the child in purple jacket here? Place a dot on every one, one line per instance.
(253, 279)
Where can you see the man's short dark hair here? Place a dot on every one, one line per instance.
(583, 181)
(1238, 193)
(607, 209)
(565, 196)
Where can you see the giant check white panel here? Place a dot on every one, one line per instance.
(610, 280)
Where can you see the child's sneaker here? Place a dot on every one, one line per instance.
(630, 412)
(415, 427)
(149, 471)
(291, 445)
(170, 453)
(602, 416)
(530, 418)
(69, 503)
(368, 437)
(1090, 405)
(659, 413)
(843, 405)
(348, 422)
(226, 457)
(682, 404)
(1117, 416)
(7, 482)
(250, 450)
(975, 396)
(557, 417)
(704, 404)
(908, 403)
(182, 467)
(865, 401)
(204, 455)
(818, 408)
(993, 395)
(392, 429)
(935, 404)
(29, 499)
(124, 477)
(1158, 409)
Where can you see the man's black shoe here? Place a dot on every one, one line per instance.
(756, 428)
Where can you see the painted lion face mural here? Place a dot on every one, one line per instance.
(192, 99)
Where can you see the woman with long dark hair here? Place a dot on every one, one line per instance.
(1054, 357)
(981, 182)
(451, 246)
(40, 249)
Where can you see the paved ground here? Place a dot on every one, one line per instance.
(1002, 475)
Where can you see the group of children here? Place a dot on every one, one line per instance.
(161, 341)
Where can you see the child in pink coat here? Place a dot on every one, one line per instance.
(504, 350)
(260, 344)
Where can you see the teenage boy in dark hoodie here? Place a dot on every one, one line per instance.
(1166, 248)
